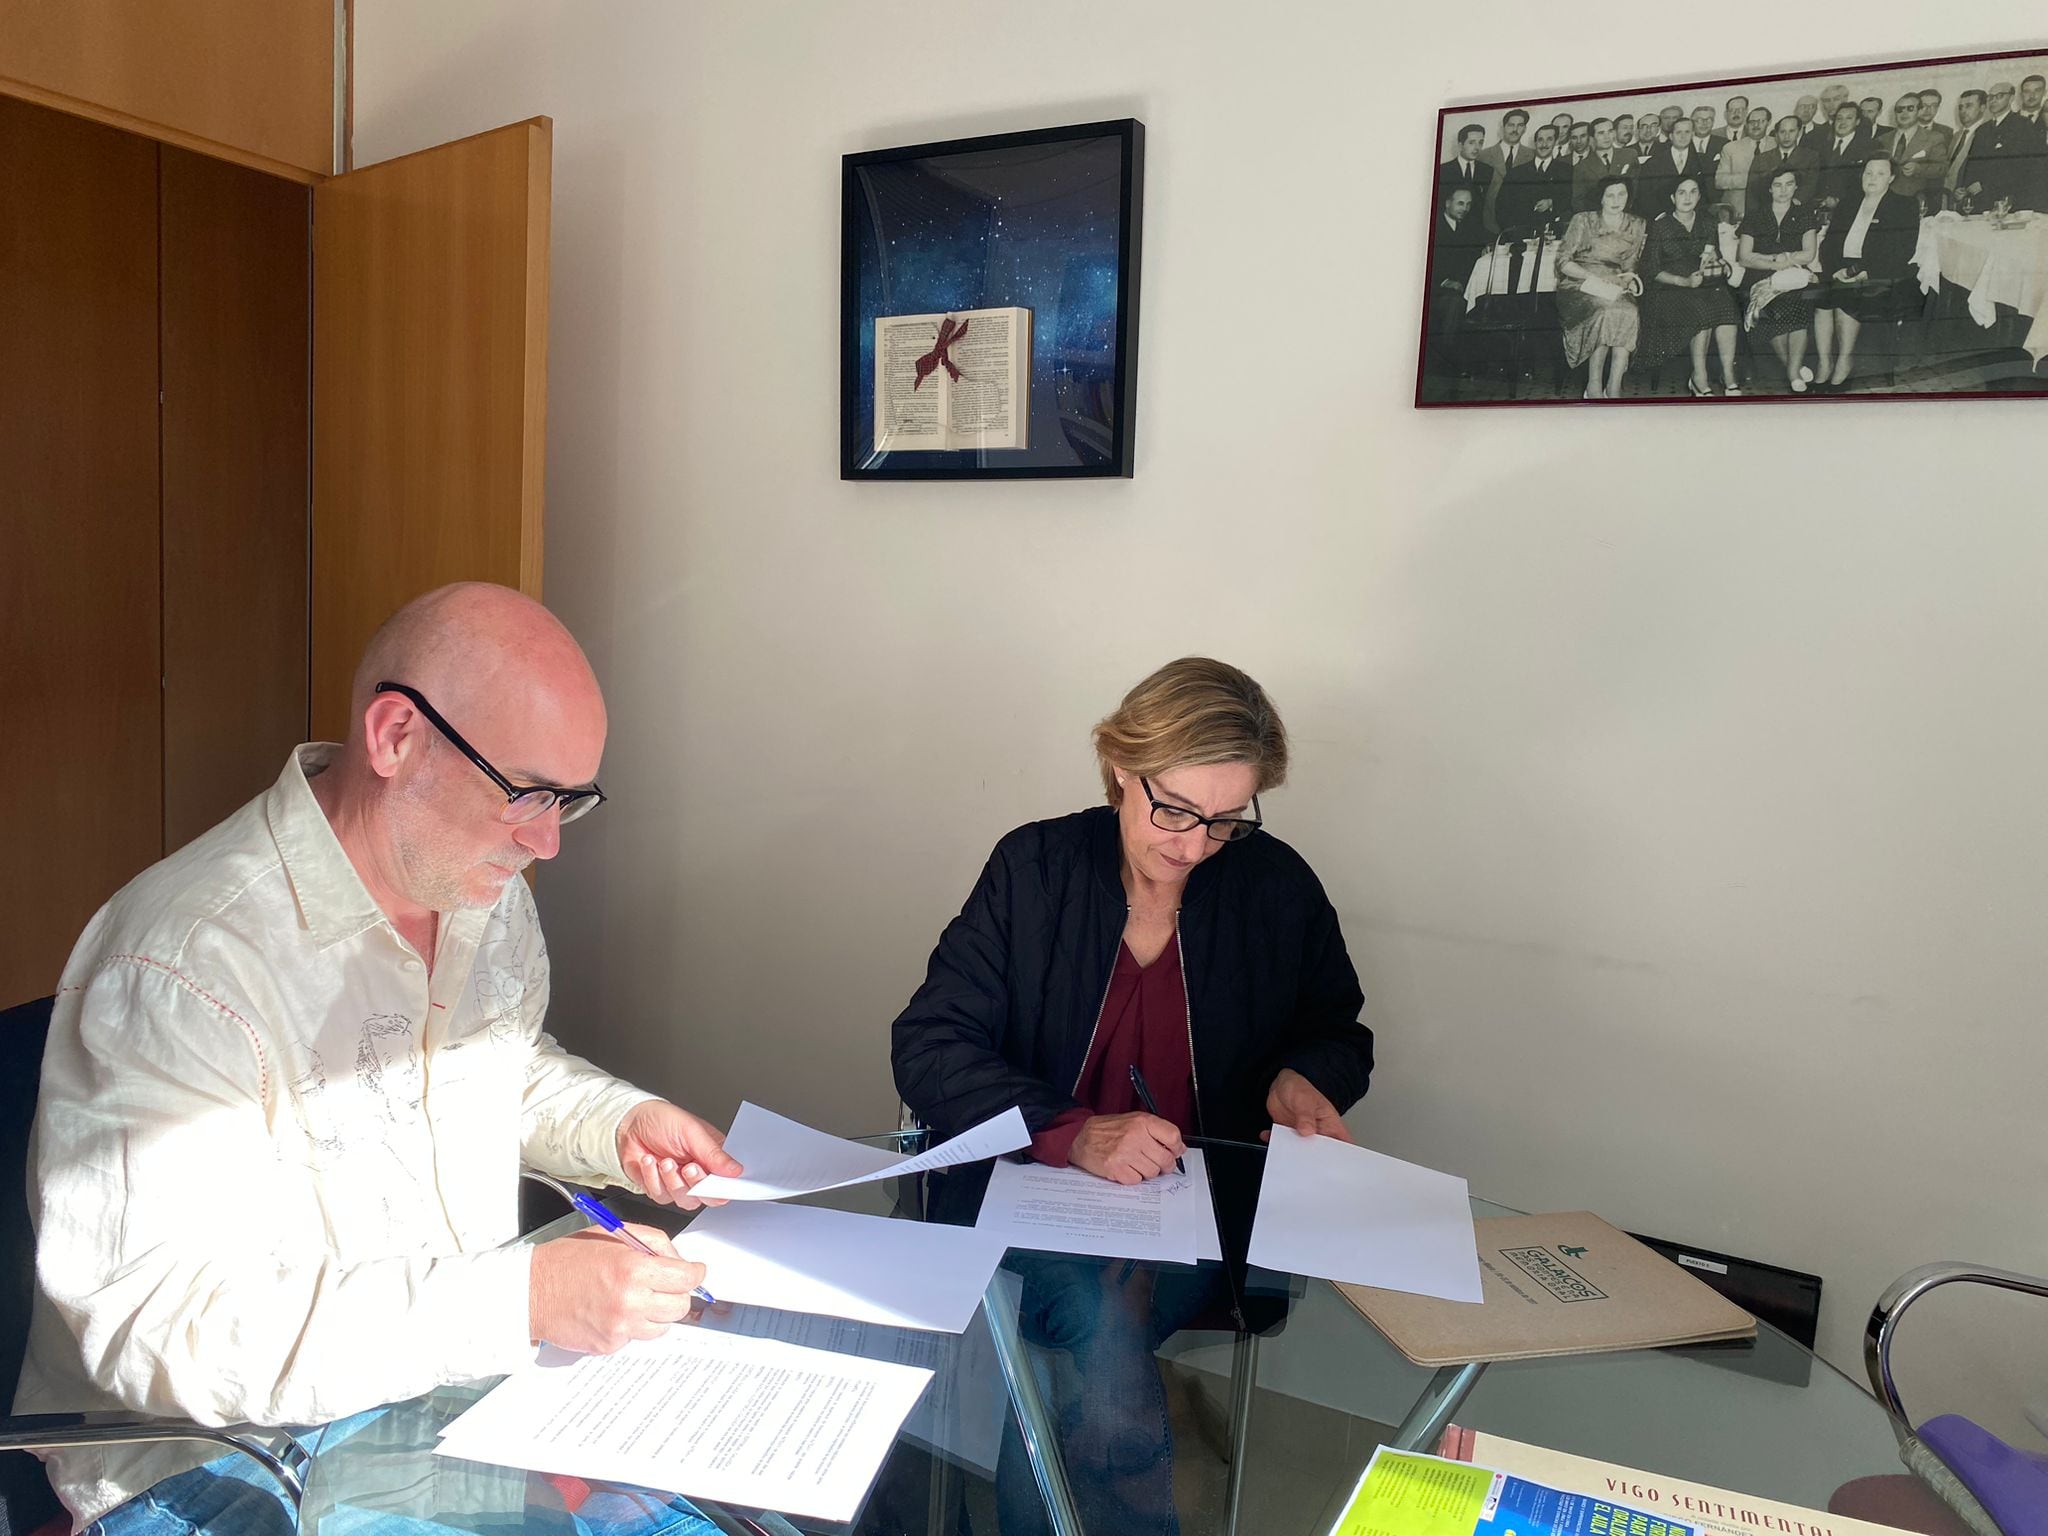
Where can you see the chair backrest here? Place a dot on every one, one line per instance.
(25, 1497)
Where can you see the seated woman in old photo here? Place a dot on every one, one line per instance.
(1597, 288)
(1686, 298)
(1779, 239)
(1866, 264)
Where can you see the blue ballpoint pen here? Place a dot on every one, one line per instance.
(602, 1216)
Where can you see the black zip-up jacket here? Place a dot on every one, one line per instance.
(1010, 1000)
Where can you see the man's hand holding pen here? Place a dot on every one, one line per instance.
(593, 1293)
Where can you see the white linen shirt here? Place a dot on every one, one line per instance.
(274, 1168)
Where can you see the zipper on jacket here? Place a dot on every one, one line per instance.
(1195, 1076)
(1188, 1009)
(1096, 1028)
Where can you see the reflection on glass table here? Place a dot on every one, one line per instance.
(1266, 1426)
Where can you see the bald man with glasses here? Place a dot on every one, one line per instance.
(327, 1013)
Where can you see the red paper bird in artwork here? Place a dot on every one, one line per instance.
(949, 332)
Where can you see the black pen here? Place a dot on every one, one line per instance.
(1219, 1141)
(1152, 1109)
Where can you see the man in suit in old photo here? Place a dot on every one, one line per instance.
(1705, 139)
(1999, 165)
(1658, 176)
(1961, 179)
(1807, 111)
(1503, 156)
(1537, 195)
(2030, 168)
(1848, 144)
(1786, 149)
(1919, 153)
(1455, 243)
(1649, 134)
(1606, 158)
(1465, 168)
(1930, 114)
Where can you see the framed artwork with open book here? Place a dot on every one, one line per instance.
(989, 306)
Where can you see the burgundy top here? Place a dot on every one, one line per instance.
(1144, 1023)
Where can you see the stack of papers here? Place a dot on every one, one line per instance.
(1170, 1219)
(739, 1413)
(746, 1421)
(783, 1157)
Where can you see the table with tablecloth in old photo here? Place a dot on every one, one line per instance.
(1998, 267)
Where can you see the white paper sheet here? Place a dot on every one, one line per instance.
(906, 1274)
(1340, 1212)
(745, 1421)
(784, 1157)
(959, 1416)
(1068, 1210)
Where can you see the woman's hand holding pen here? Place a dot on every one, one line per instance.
(665, 1150)
(591, 1293)
(1128, 1149)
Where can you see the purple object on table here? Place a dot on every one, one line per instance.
(2011, 1484)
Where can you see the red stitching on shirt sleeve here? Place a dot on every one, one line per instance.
(255, 1043)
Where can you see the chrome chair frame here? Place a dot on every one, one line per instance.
(1878, 1334)
(1891, 1306)
(272, 1449)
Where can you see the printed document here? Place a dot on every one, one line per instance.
(1069, 1210)
(783, 1157)
(960, 1415)
(745, 1421)
(871, 1269)
(1340, 1212)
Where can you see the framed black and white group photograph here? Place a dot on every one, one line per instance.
(1877, 230)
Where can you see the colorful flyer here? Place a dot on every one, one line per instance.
(1405, 1493)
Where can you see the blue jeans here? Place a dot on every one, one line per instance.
(1094, 1325)
(233, 1496)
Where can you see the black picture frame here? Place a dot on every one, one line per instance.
(1493, 332)
(909, 214)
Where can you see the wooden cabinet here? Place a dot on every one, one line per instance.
(80, 618)
(430, 322)
(241, 420)
(253, 81)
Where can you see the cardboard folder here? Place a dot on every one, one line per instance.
(1565, 1283)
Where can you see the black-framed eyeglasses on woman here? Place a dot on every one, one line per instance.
(523, 802)
(1221, 829)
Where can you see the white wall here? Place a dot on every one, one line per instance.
(1677, 773)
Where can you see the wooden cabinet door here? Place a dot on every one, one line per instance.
(430, 303)
(80, 623)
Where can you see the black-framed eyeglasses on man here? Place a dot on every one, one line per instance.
(523, 802)
(1221, 829)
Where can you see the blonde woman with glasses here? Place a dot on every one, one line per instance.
(1156, 973)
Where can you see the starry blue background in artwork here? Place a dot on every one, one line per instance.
(1034, 226)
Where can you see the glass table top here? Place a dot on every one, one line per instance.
(1764, 1417)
